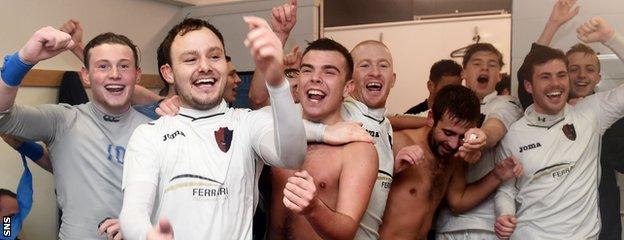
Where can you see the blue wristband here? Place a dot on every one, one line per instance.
(31, 150)
(14, 70)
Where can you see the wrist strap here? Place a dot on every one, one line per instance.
(14, 70)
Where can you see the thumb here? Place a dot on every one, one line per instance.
(165, 226)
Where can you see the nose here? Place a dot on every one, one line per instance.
(204, 65)
(582, 73)
(375, 71)
(316, 77)
(114, 73)
(237, 79)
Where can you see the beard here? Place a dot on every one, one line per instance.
(196, 103)
(435, 148)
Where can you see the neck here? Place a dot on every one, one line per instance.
(327, 120)
(114, 111)
(429, 101)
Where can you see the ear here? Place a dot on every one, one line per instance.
(393, 80)
(430, 86)
(84, 76)
(138, 75)
(348, 88)
(167, 73)
(430, 119)
(528, 86)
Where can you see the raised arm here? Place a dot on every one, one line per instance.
(562, 12)
(598, 29)
(462, 197)
(401, 122)
(45, 43)
(288, 138)
(359, 171)
(74, 29)
(283, 20)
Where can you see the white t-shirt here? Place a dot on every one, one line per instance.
(378, 126)
(556, 197)
(482, 217)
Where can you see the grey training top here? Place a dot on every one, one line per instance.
(87, 150)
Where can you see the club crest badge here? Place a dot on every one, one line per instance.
(569, 131)
(223, 136)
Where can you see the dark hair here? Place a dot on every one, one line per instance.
(445, 67)
(110, 38)
(505, 83)
(163, 53)
(482, 47)
(326, 44)
(538, 55)
(187, 25)
(228, 58)
(7, 192)
(460, 103)
(582, 48)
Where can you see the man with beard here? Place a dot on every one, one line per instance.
(420, 188)
(473, 217)
(558, 144)
(329, 196)
(86, 142)
(201, 163)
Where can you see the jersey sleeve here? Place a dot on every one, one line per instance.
(279, 137)
(504, 200)
(140, 162)
(507, 109)
(616, 44)
(608, 106)
(41, 123)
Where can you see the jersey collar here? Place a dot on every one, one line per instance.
(195, 114)
(489, 97)
(543, 120)
(378, 114)
(108, 117)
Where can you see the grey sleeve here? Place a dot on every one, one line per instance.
(285, 144)
(41, 123)
(616, 44)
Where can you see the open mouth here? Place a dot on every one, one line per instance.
(204, 82)
(114, 88)
(554, 94)
(315, 95)
(582, 83)
(374, 86)
(483, 78)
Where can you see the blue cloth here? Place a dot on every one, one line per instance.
(32, 150)
(24, 202)
(149, 110)
(14, 70)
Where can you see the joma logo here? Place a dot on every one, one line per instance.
(172, 135)
(530, 146)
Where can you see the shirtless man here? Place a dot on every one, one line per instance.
(327, 199)
(420, 188)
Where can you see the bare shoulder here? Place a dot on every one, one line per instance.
(360, 151)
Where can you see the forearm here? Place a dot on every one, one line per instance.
(78, 52)
(143, 96)
(136, 210)
(473, 194)
(406, 122)
(616, 44)
(547, 35)
(258, 93)
(12, 74)
(329, 224)
(44, 162)
(504, 201)
(288, 131)
(495, 130)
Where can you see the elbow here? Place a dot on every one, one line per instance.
(257, 99)
(457, 207)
